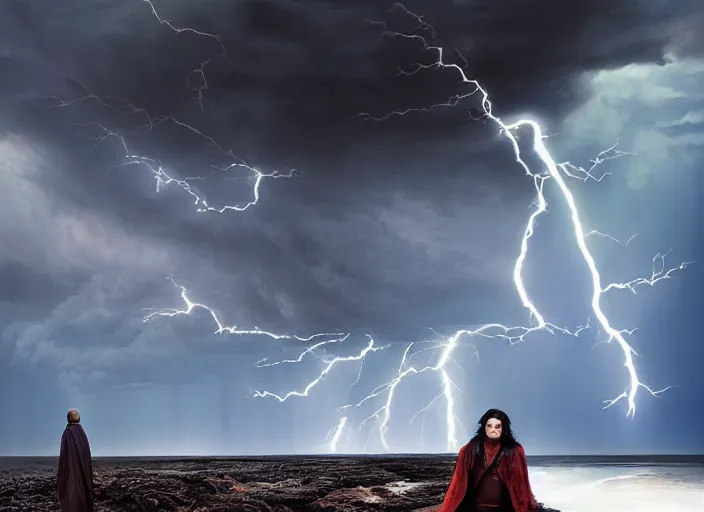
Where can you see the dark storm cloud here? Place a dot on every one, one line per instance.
(373, 234)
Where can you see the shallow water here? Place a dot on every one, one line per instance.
(613, 488)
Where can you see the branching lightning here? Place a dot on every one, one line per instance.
(263, 362)
(191, 306)
(198, 72)
(149, 123)
(551, 173)
(554, 171)
(370, 347)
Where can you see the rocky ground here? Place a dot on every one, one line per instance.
(346, 484)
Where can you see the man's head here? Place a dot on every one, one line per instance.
(73, 416)
(495, 425)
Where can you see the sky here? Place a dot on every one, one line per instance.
(387, 230)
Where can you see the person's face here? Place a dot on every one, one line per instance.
(493, 429)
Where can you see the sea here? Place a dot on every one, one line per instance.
(619, 484)
(567, 483)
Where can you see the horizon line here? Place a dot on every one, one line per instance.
(333, 455)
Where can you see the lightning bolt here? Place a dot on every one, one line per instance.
(199, 72)
(191, 306)
(148, 122)
(335, 433)
(553, 171)
(370, 347)
(605, 235)
(263, 362)
(179, 30)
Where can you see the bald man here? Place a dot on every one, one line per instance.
(74, 481)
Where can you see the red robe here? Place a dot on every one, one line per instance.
(512, 469)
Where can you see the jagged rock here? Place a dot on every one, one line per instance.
(280, 484)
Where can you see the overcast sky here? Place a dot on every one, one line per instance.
(404, 229)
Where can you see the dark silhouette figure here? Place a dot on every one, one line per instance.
(74, 481)
(491, 474)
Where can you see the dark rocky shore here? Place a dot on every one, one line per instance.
(346, 484)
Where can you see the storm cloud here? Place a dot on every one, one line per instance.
(388, 227)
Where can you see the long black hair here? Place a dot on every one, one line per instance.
(507, 442)
(507, 439)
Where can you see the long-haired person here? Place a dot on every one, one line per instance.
(491, 474)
